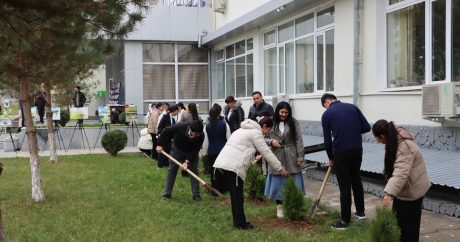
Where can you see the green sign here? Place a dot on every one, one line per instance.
(101, 94)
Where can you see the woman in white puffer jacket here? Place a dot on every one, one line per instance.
(145, 143)
(235, 158)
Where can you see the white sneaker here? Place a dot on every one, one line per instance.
(279, 211)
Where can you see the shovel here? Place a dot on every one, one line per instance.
(205, 184)
(313, 207)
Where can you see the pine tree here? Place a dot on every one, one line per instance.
(37, 34)
(384, 228)
(294, 202)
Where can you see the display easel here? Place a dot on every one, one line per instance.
(8, 130)
(57, 132)
(106, 126)
(83, 134)
(132, 124)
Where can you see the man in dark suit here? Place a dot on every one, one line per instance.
(188, 139)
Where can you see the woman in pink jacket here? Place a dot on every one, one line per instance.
(406, 174)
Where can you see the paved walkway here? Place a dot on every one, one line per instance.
(434, 227)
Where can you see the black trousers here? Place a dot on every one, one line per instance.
(347, 167)
(155, 142)
(216, 181)
(41, 113)
(163, 161)
(147, 152)
(408, 214)
(234, 185)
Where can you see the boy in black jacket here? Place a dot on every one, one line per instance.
(188, 139)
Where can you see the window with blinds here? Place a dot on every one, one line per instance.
(164, 62)
(159, 82)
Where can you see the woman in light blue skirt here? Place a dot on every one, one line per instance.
(287, 145)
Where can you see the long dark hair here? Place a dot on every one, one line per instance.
(193, 111)
(214, 114)
(289, 120)
(389, 131)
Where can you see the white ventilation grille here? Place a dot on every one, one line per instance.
(430, 101)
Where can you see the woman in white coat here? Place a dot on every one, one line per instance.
(145, 143)
(235, 158)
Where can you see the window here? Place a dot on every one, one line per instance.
(302, 60)
(158, 53)
(175, 72)
(270, 37)
(406, 46)
(159, 82)
(234, 71)
(422, 44)
(455, 29)
(286, 32)
(325, 17)
(270, 71)
(304, 65)
(191, 53)
(304, 25)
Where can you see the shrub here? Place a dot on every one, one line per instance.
(255, 183)
(113, 141)
(293, 201)
(65, 117)
(384, 228)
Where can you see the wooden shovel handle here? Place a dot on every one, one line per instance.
(191, 173)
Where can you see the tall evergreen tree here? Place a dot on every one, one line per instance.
(34, 34)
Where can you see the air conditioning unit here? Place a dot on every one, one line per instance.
(441, 100)
(219, 6)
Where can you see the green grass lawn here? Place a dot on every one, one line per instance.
(103, 198)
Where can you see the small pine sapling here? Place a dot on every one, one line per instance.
(255, 183)
(384, 228)
(294, 202)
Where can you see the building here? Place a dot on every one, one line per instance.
(375, 53)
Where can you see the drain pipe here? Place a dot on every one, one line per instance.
(357, 51)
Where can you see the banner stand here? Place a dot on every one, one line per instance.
(106, 126)
(132, 124)
(83, 134)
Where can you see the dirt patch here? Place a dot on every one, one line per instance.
(227, 201)
(264, 202)
(273, 223)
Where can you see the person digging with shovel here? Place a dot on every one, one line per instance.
(188, 139)
(235, 158)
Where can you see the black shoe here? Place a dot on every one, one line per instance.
(197, 198)
(360, 216)
(246, 226)
(340, 225)
(165, 197)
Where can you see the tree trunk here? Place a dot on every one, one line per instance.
(49, 124)
(2, 236)
(37, 188)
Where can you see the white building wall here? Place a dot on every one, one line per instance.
(163, 23)
(235, 9)
(134, 75)
(98, 76)
(343, 48)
